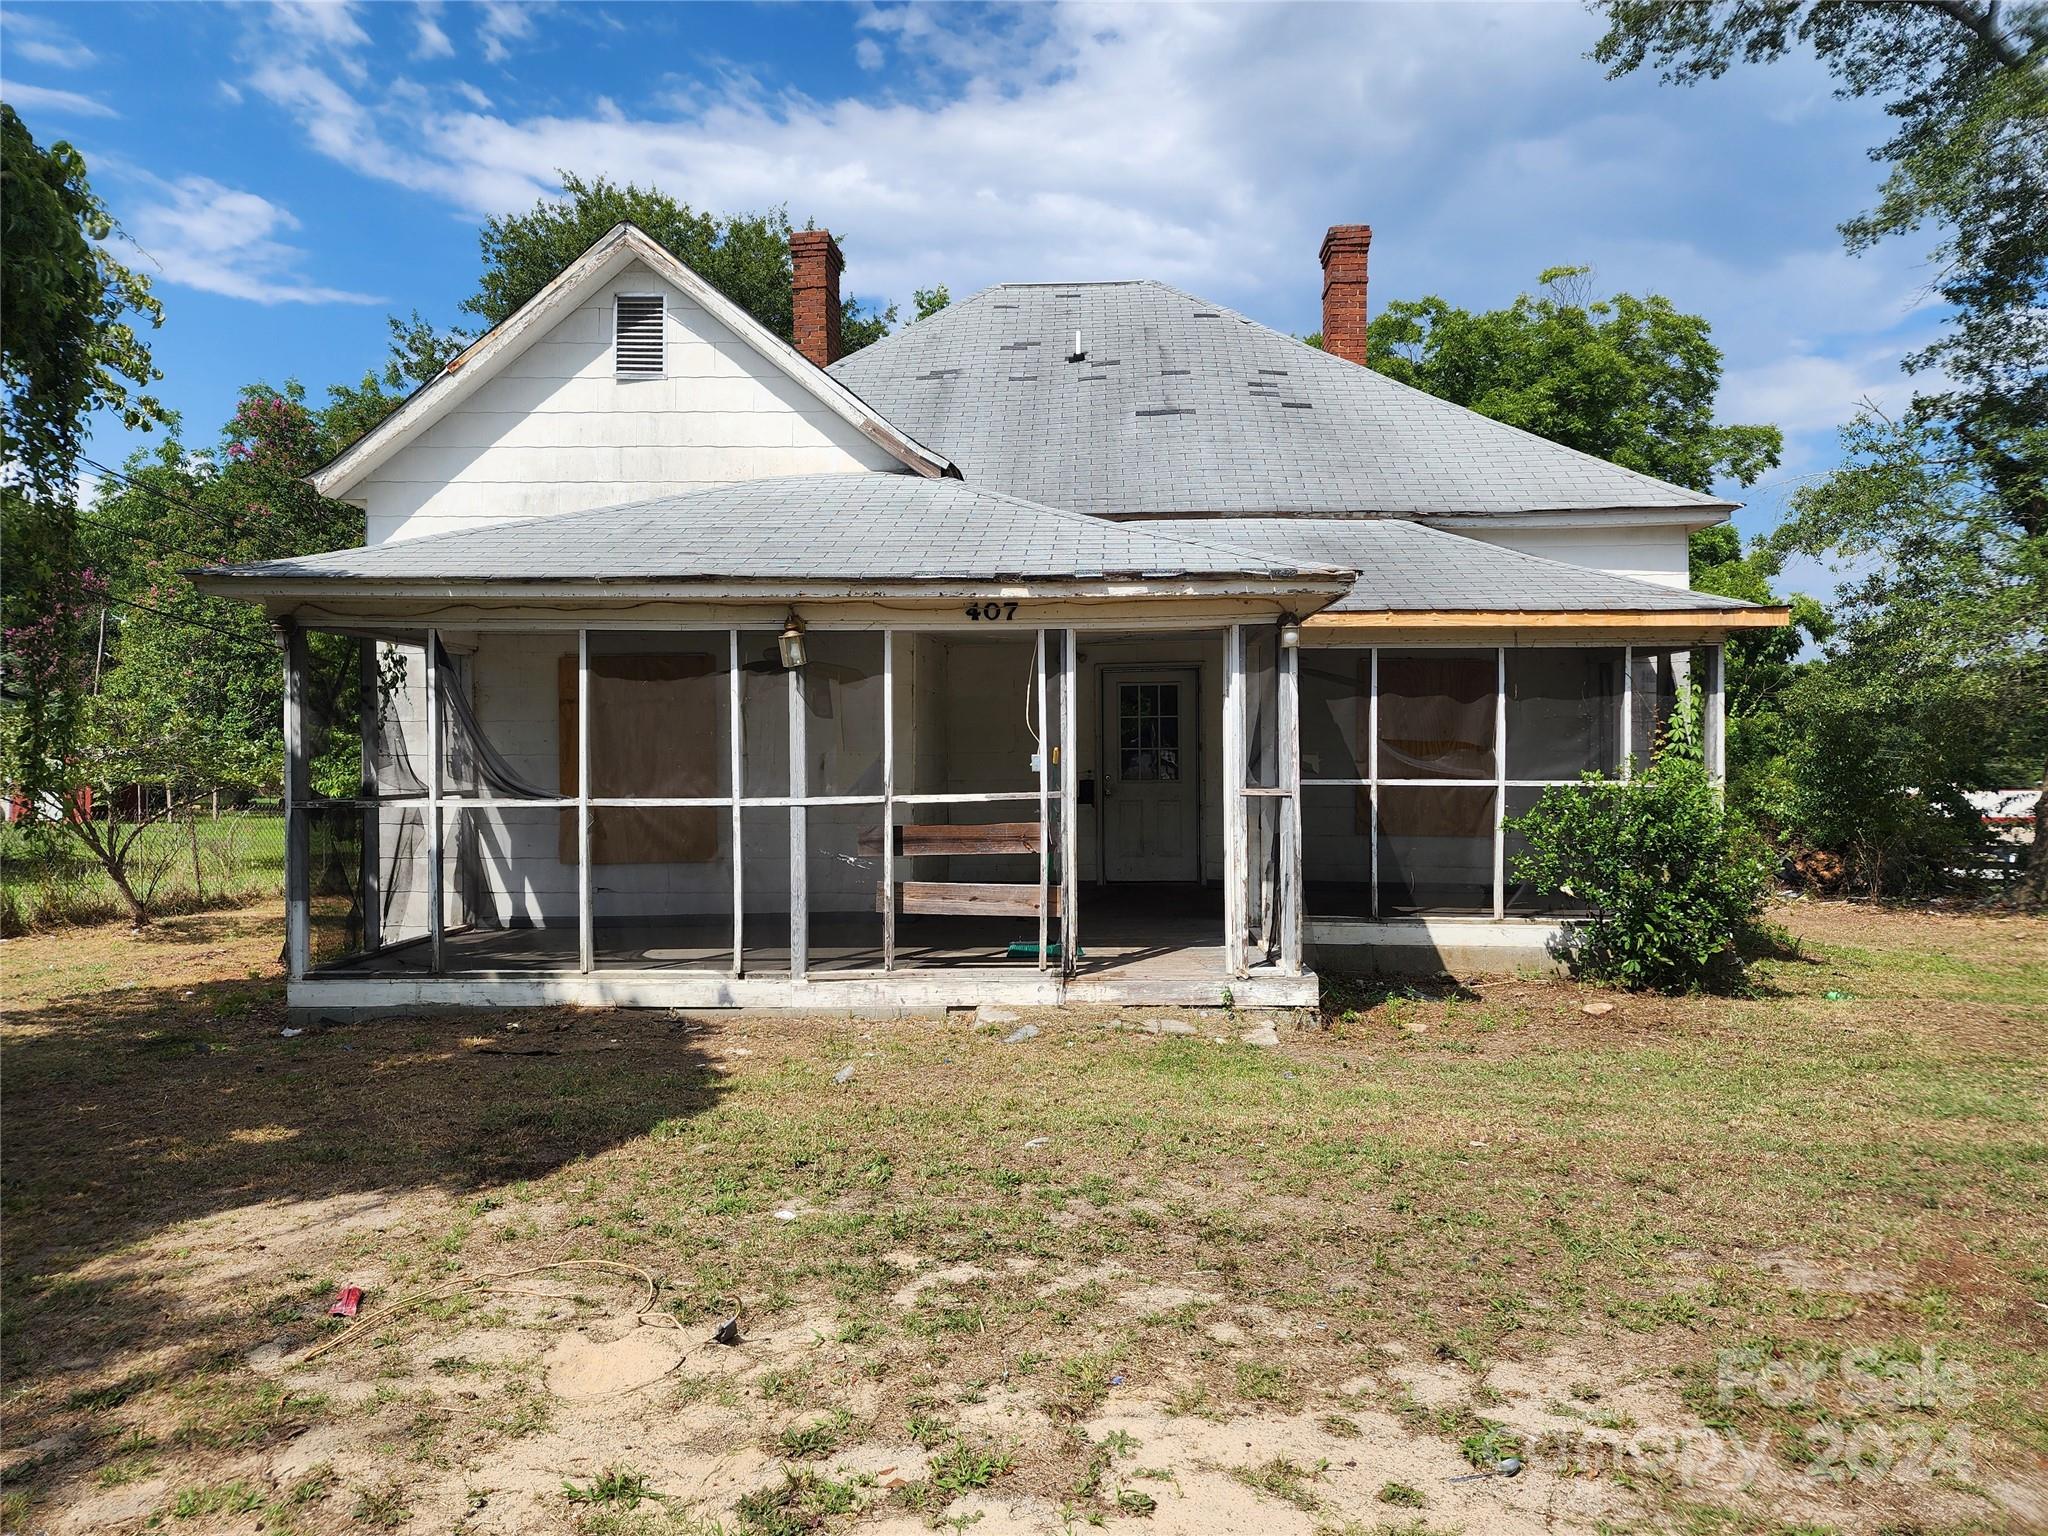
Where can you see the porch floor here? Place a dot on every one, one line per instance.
(1127, 932)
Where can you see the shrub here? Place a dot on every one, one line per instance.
(1673, 882)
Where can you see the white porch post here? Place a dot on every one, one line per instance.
(437, 946)
(1070, 799)
(586, 922)
(1290, 811)
(298, 931)
(737, 759)
(1500, 782)
(1717, 713)
(1628, 711)
(1039, 670)
(889, 801)
(799, 857)
(370, 881)
(1372, 773)
(1233, 801)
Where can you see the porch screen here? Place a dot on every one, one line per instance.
(644, 743)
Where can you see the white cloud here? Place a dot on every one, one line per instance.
(1209, 147)
(504, 22)
(429, 41)
(40, 98)
(203, 235)
(41, 41)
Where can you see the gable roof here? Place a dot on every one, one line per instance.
(855, 528)
(1182, 406)
(1405, 567)
(623, 245)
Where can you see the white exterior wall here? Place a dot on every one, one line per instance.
(556, 431)
(1648, 553)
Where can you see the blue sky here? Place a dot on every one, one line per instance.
(289, 174)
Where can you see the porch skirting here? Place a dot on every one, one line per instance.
(1430, 946)
(343, 995)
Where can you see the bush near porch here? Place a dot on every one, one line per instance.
(1280, 1288)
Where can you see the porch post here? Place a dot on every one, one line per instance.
(370, 881)
(737, 759)
(1717, 713)
(1500, 782)
(1070, 799)
(1290, 811)
(1040, 669)
(799, 858)
(586, 922)
(436, 945)
(1233, 801)
(298, 932)
(1628, 712)
(1372, 772)
(889, 800)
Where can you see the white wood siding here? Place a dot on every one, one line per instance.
(557, 431)
(1646, 553)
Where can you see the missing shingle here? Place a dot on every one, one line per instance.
(941, 373)
(1167, 410)
(1023, 378)
(1017, 346)
(1003, 306)
(1297, 405)
(1282, 372)
(1087, 377)
(1208, 314)
(1175, 373)
(1066, 295)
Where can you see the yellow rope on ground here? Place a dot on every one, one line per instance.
(364, 1325)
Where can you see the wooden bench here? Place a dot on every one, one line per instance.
(939, 898)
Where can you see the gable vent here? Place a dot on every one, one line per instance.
(639, 339)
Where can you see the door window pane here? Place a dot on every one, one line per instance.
(1436, 850)
(1564, 712)
(1437, 714)
(1148, 733)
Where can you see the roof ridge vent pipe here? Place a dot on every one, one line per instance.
(1080, 353)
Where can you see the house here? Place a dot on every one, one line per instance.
(1081, 641)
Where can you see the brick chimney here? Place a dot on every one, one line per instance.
(1344, 253)
(814, 256)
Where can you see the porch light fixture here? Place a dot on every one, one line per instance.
(791, 642)
(1290, 636)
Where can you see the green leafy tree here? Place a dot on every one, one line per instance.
(69, 347)
(929, 301)
(745, 256)
(1937, 671)
(189, 697)
(1965, 83)
(1627, 379)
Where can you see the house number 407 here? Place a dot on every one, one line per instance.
(992, 612)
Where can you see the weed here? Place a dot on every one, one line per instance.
(382, 1506)
(614, 1485)
(820, 1437)
(803, 1502)
(1284, 1479)
(236, 1498)
(1402, 1494)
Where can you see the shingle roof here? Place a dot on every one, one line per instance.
(1184, 406)
(1405, 567)
(850, 527)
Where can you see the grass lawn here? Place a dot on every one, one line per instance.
(1774, 1265)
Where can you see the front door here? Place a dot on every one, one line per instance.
(1150, 775)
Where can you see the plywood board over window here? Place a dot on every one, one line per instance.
(656, 753)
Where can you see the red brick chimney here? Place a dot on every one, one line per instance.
(1344, 253)
(814, 256)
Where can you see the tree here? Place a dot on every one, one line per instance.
(929, 301)
(69, 348)
(1966, 84)
(745, 256)
(1939, 663)
(1627, 379)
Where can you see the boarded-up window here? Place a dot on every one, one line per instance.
(651, 753)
